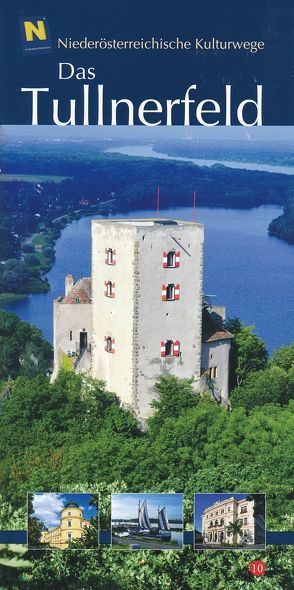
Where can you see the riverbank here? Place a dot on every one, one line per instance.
(38, 250)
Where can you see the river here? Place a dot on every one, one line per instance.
(146, 151)
(248, 271)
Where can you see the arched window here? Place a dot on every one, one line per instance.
(169, 348)
(110, 256)
(109, 289)
(216, 523)
(109, 344)
(171, 259)
(170, 292)
(222, 522)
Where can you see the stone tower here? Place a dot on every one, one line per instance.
(146, 305)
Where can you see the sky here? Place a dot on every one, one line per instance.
(126, 505)
(221, 132)
(203, 501)
(47, 507)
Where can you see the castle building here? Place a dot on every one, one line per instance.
(141, 314)
(217, 517)
(72, 526)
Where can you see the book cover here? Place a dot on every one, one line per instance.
(146, 315)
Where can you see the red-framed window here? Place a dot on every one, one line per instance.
(170, 348)
(109, 345)
(171, 259)
(170, 292)
(110, 256)
(109, 289)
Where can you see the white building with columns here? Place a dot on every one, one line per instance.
(141, 313)
(217, 518)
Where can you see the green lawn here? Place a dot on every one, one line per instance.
(10, 297)
(41, 240)
(31, 177)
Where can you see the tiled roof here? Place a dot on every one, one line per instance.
(81, 292)
(212, 329)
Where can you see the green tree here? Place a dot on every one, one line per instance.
(271, 385)
(174, 396)
(35, 526)
(234, 529)
(284, 357)
(259, 504)
(9, 246)
(23, 351)
(248, 352)
(32, 260)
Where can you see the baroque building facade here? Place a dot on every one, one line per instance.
(141, 313)
(72, 526)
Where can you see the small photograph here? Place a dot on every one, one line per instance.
(63, 521)
(147, 521)
(229, 521)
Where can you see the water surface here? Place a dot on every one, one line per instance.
(248, 271)
(147, 151)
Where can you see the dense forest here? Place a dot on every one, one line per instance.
(74, 435)
(283, 226)
(45, 185)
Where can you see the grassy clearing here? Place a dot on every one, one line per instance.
(31, 178)
(11, 297)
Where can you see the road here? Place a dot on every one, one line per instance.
(214, 546)
(144, 544)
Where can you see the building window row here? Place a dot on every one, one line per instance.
(216, 513)
(170, 292)
(169, 348)
(217, 523)
(170, 259)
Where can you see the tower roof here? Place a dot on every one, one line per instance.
(212, 329)
(71, 505)
(81, 292)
